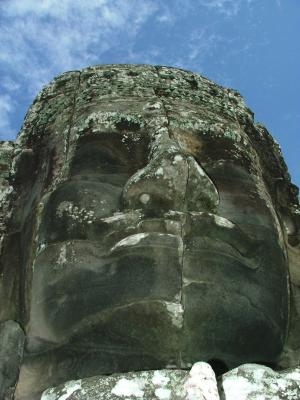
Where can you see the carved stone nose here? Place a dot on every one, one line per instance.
(171, 181)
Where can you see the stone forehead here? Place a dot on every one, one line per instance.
(140, 97)
(133, 98)
(108, 85)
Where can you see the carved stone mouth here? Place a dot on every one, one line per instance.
(211, 233)
(206, 247)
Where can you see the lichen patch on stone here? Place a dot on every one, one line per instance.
(160, 379)
(62, 259)
(126, 387)
(163, 394)
(225, 223)
(130, 240)
(175, 311)
(159, 171)
(178, 158)
(144, 198)
(68, 389)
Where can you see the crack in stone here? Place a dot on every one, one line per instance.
(183, 222)
(182, 302)
(67, 139)
(163, 103)
(182, 234)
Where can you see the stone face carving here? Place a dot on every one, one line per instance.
(149, 221)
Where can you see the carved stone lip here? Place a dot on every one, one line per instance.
(142, 238)
(227, 253)
(213, 234)
(207, 247)
(206, 224)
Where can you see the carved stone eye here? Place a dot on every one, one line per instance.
(144, 198)
(108, 153)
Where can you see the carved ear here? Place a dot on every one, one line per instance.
(287, 205)
(294, 236)
(291, 225)
(293, 249)
(24, 166)
(288, 208)
(291, 352)
(290, 216)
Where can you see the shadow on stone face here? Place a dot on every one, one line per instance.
(219, 367)
(11, 353)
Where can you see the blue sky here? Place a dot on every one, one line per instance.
(250, 45)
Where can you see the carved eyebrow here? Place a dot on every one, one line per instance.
(235, 165)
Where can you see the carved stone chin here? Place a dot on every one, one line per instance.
(148, 231)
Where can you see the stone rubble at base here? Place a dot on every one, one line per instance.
(246, 382)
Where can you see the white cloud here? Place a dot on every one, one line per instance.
(41, 39)
(51, 36)
(169, 13)
(165, 18)
(202, 43)
(228, 8)
(6, 108)
(8, 84)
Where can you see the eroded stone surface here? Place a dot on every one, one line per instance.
(255, 382)
(148, 223)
